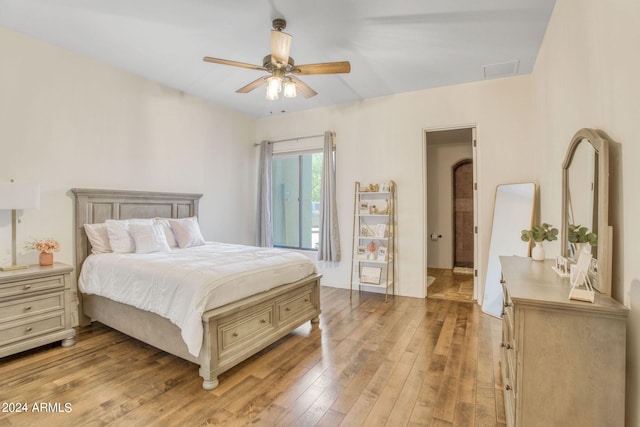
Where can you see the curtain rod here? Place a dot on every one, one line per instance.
(295, 139)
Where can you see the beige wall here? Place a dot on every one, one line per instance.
(383, 138)
(68, 121)
(586, 75)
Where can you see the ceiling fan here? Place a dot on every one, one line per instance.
(282, 69)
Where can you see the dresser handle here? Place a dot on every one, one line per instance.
(306, 300)
(508, 346)
(263, 321)
(29, 329)
(235, 334)
(27, 287)
(27, 308)
(507, 387)
(287, 309)
(503, 281)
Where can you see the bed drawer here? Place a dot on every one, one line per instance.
(23, 287)
(300, 303)
(31, 326)
(240, 330)
(31, 306)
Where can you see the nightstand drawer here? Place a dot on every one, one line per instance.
(23, 287)
(25, 307)
(32, 326)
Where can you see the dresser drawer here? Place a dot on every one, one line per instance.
(24, 287)
(31, 306)
(241, 330)
(31, 326)
(294, 306)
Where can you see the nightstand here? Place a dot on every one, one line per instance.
(35, 308)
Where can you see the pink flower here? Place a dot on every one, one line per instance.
(46, 245)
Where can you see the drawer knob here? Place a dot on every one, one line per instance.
(29, 329)
(507, 387)
(263, 321)
(27, 287)
(503, 281)
(235, 334)
(507, 304)
(27, 308)
(508, 346)
(287, 309)
(306, 300)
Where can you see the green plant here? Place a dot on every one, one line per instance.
(539, 233)
(580, 234)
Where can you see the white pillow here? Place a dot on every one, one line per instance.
(187, 232)
(120, 239)
(98, 238)
(166, 227)
(148, 238)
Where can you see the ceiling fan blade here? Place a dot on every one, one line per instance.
(233, 63)
(303, 88)
(323, 68)
(280, 48)
(251, 86)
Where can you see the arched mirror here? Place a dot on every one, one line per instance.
(585, 200)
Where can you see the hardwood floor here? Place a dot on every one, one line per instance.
(450, 285)
(407, 362)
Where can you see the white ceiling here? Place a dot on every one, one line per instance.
(393, 46)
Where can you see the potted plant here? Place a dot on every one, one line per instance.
(538, 234)
(581, 238)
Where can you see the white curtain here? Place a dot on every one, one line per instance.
(329, 245)
(263, 218)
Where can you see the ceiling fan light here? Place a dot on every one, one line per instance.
(274, 86)
(289, 89)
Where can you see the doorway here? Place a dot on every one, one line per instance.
(450, 214)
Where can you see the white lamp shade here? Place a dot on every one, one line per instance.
(19, 196)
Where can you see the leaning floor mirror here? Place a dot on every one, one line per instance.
(512, 213)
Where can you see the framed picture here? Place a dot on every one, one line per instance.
(382, 254)
(361, 252)
(380, 230)
(365, 231)
(385, 187)
(370, 275)
(363, 208)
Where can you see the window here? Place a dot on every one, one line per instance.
(295, 203)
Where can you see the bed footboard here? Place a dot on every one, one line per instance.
(237, 331)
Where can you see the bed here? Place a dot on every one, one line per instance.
(231, 332)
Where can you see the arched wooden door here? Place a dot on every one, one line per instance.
(463, 214)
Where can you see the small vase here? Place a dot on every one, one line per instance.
(46, 258)
(537, 253)
(582, 247)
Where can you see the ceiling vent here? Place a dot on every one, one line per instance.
(503, 69)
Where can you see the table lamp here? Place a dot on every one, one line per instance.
(14, 196)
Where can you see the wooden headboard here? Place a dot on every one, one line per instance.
(96, 206)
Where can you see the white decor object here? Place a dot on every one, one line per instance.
(537, 252)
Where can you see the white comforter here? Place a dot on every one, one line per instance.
(182, 284)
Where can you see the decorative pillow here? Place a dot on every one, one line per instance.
(148, 238)
(120, 239)
(187, 232)
(98, 238)
(166, 227)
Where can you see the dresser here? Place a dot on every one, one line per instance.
(35, 308)
(562, 361)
